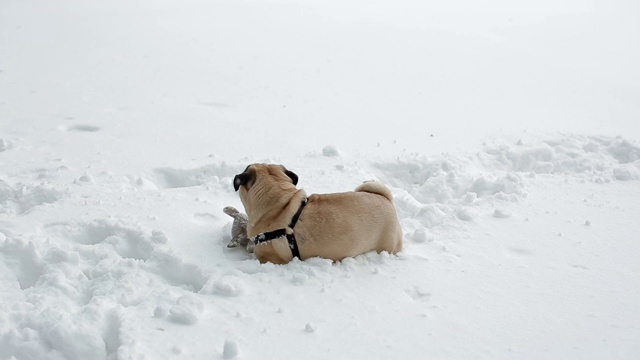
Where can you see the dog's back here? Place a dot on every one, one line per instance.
(351, 223)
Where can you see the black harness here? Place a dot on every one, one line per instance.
(286, 232)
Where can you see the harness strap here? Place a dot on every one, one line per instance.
(295, 217)
(291, 238)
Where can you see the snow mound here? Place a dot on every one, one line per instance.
(228, 286)
(231, 350)
(330, 151)
(435, 191)
(598, 158)
(71, 289)
(187, 310)
(18, 199)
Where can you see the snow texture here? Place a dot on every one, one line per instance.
(507, 133)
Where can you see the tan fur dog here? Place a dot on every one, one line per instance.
(331, 226)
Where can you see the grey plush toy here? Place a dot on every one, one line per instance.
(239, 229)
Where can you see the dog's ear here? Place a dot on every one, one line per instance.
(244, 179)
(291, 175)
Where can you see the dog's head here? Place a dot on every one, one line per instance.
(255, 173)
(260, 181)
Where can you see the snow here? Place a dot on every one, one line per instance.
(230, 350)
(508, 133)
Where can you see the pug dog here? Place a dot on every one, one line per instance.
(285, 223)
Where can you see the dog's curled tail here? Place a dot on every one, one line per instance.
(375, 187)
